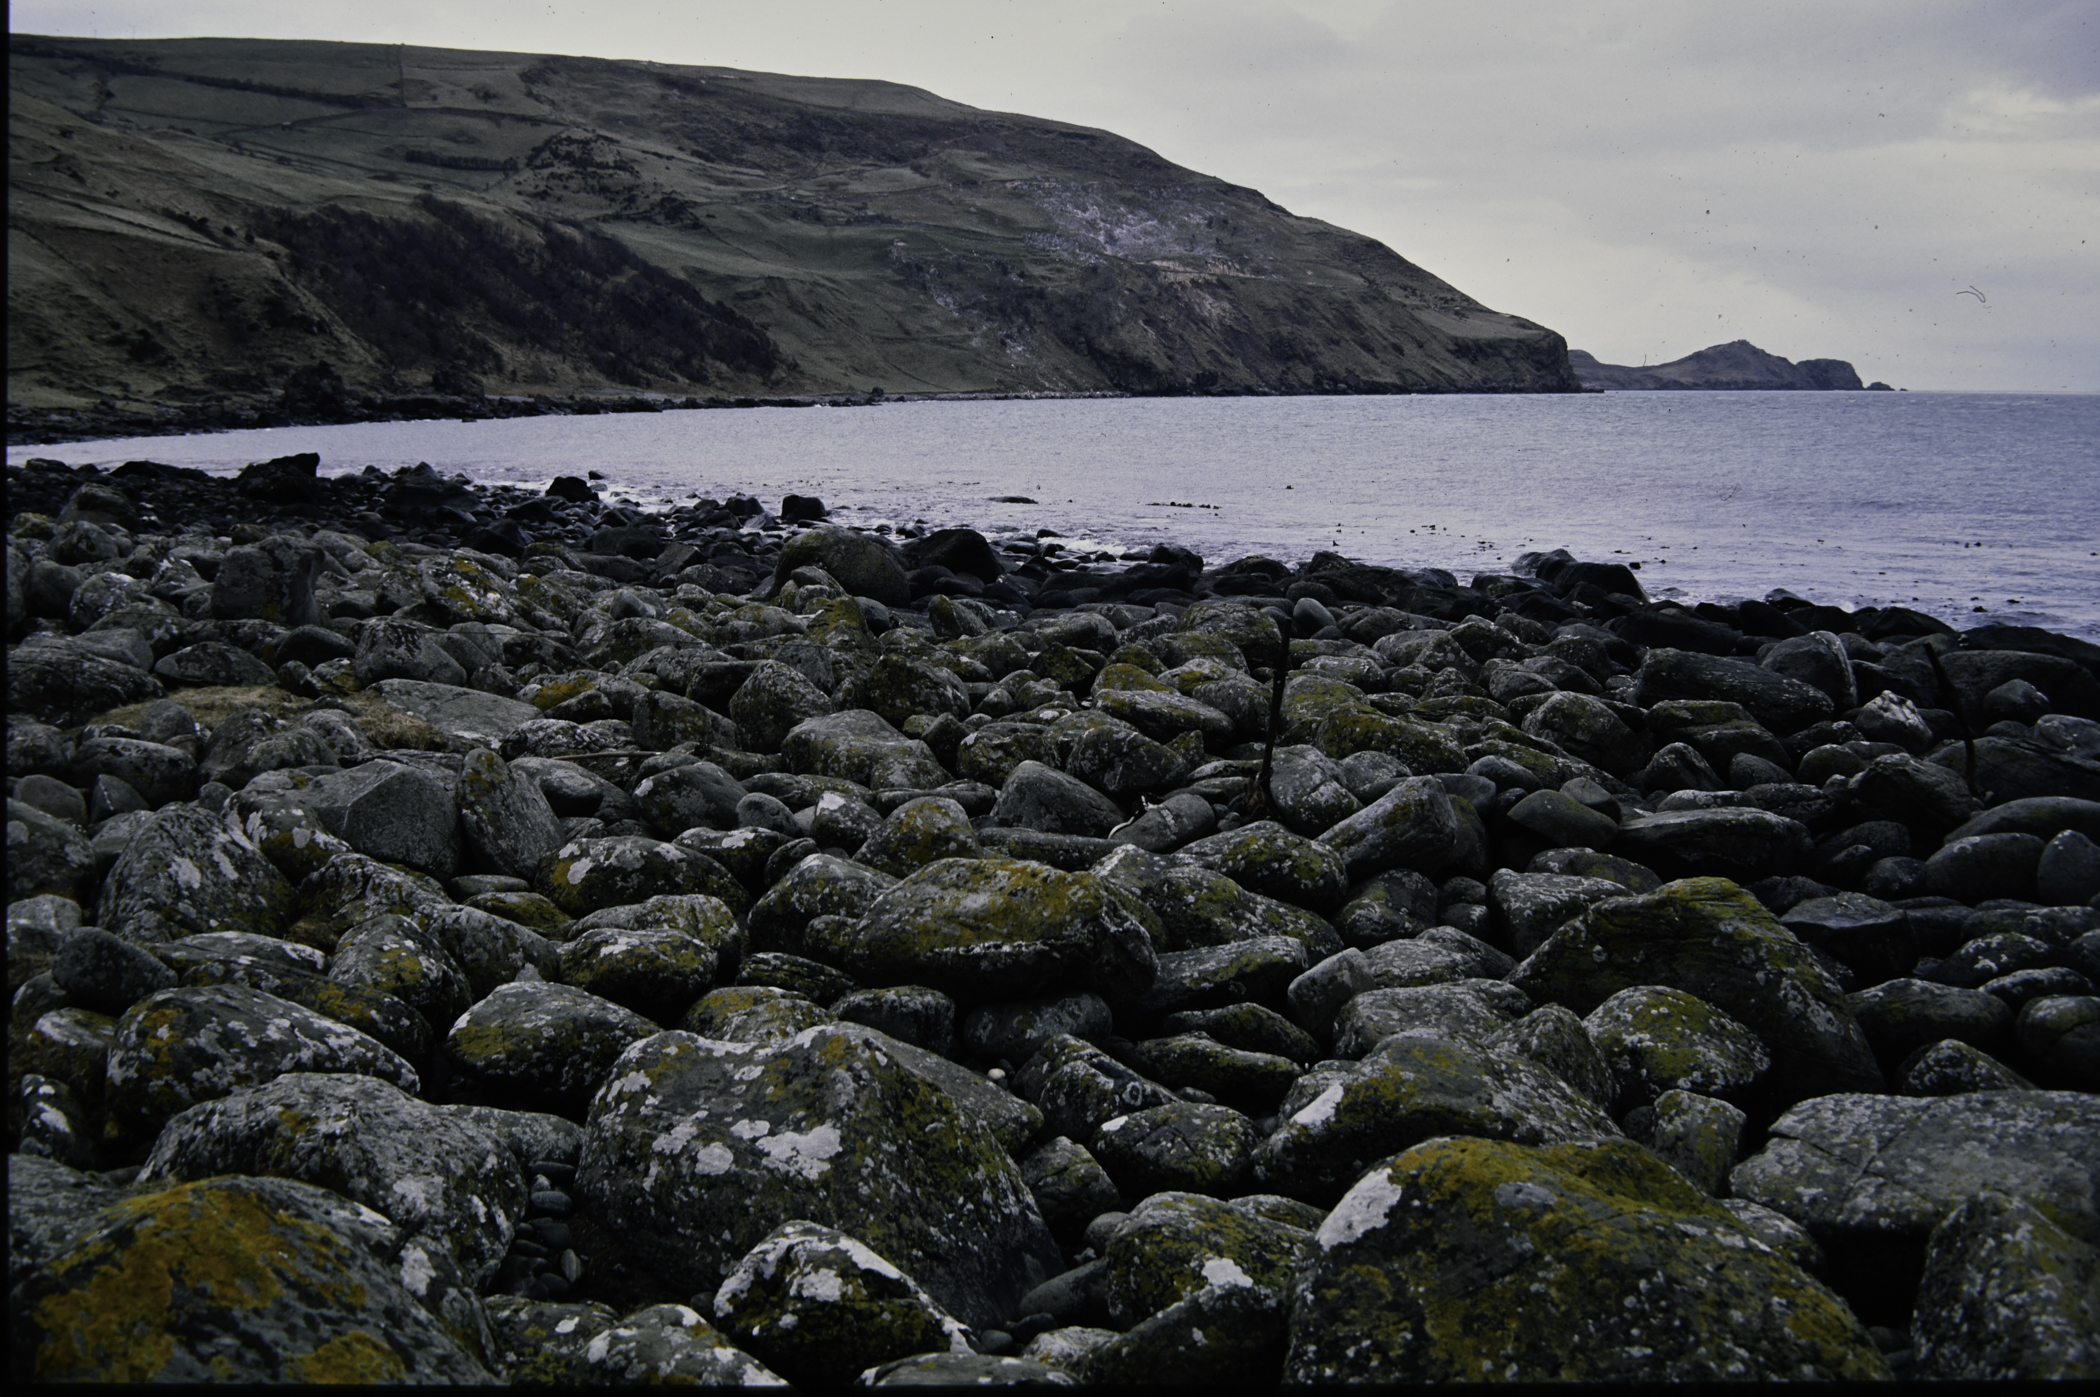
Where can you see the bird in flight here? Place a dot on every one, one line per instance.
(1980, 297)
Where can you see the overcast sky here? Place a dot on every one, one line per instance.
(1823, 179)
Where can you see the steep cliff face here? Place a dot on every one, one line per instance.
(205, 220)
(1738, 364)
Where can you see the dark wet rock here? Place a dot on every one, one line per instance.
(272, 581)
(743, 1138)
(1040, 797)
(395, 956)
(99, 972)
(857, 745)
(1458, 1009)
(1183, 1145)
(2061, 1035)
(1781, 704)
(591, 873)
(1244, 1078)
(1395, 1290)
(46, 856)
(1532, 906)
(864, 565)
(1259, 969)
(816, 886)
(155, 772)
(1743, 844)
(1556, 1040)
(1901, 1016)
(1984, 866)
(667, 1343)
(1562, 821)
(1186, 906)
(1658, 1040)
(1708, 938)
(1015, 1029)
(655, 971)
(1078, 1086)
(504, 815)
(753, 1014)
(1869, 935)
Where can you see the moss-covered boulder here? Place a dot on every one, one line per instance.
(1411, 826)
(819, 1307)
(1115, 758)
(1042, 798)
(1224, 1336)
(1472, 1010)
(654, 971)
(859, 746)
(1741, 842)
(1709, 938)
(376, 1014)
(588, 874)
(540, 1343)
(1163, 715)
(1587, 729)
(1466, 1259)
(698, 1149)
(900, 686)
(542, 1043)
(353, 888)
(190, 872)
(1425, 749)
(661, 721)
(1240, 1077)
(981, 929)
(434, 1173)
(1274, 862)
(178, 1047)
(242, 1279)
(1408, 1090)
(668, 1345)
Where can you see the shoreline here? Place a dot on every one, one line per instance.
(1165, 918)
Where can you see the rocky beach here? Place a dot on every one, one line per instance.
(461, 933)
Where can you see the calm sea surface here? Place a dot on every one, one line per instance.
(1945, 502)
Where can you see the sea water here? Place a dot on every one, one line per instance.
(1971, 507)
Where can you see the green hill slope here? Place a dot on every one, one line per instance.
(317, 229)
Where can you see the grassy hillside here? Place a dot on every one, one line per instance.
(309, 227)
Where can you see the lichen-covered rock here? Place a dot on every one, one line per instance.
(1709, 938)
(1741, 842)
(1532, 906)
(393, 955)
(49, 1203)
(697, 1149)
(504, 815)
(99, 972)
(158, 772)
(1175, 1245)
(188, 873)
(544, 1043)
(352, 888)
(857, 745)
(992, 752)
(1251, 1080)
(965, 1370)
(1077, 1087)
(1587, 729)
(654, 971)
(588, 874)
(1012, 1121)
(540, 1343)
(185, 1045)
(1269, 859)
(696, 795)
(819, 1306)
(1410, 826)
(667, 1344)
(919, 832)
(1040, 797)
(59, 683)
(1210, 977)
(1781, 704)
(379, 1016)
(1658, 1040)
(1196, 906)
(1183, 1145)
(242, 1279)
(983, 929)
(1901, 1016)
(1115, 758)
(1223, 1336)
(1951, 1067)
(818, 886)
(1468, 1259)
(1070, 1187)
(436, 1175)
(753, 1014)
(1698, 1136)
(1556, 1040)
(1408, 1090)
(490, 950)
(1855, 1167)
(2062, 1033)
(2008, 1293)
(1456, 1009)
(768, 705)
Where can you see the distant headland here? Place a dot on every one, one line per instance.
(1738, 365)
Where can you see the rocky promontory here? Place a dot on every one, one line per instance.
(216, 233)
(1737, 366)
(465, 934)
